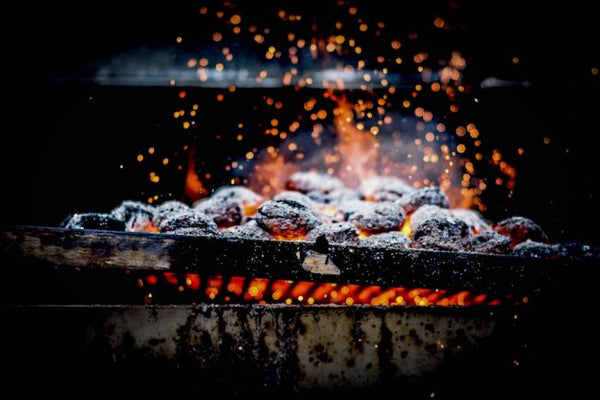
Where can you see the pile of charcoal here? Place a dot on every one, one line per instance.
(383, 212)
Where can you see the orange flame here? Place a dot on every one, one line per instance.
(358, 149)
(406, 229)
(270, 175)
(362, 151)
(194, 188)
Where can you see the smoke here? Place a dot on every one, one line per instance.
(403, 146)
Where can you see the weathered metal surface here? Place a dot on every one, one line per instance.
(492, 274)
(301, 347)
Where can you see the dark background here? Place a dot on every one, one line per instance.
(64, 138)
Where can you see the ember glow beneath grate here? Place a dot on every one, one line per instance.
(318, 209)
(235, 290)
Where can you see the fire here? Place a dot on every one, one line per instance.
(150, 228)
(194, 189)
(383, 129)
(406, 227)
(366, 142)
(220, 289)
(358, 150)
(289, 236)
(250, 209)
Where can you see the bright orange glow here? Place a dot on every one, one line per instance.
(194, 189)
(250, 209)
(236, 285)
(289, 236)
(406, 227)
(300, 289)
(192, 281)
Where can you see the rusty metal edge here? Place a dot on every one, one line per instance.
(492, 274)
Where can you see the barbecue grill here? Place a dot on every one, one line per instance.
(98, 320)
(93, 310)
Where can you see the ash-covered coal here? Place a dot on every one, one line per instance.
(426, 212)
(287, 219)
(488, 242)
(519, 229)
(190, 223)
(472, 218)
(384, 188)
(383, 212)
(224, 214)
(313, 182)
(93, 221)
(168, 209)
(337, 233)
(387, 240)
(532, 249)
(432, 196)
(294, 196)
(334, 197)
(562, 251)
(379, 217)
(229, 205)
(249, 230)
(136, 216)
(441, 233)
(577, 251)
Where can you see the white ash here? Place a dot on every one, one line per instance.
(426, 212)
(377, 217)
(330, 214)
(352, 206)
(136, 215)
(189, 222)
(226, 205)
(384, 188)
(334, 197)
(287, 218)
(168, 209)
(425, 196)
(192, 232)
(249, 230)
(441, 233)
(295, 196)
(338, 233)
(313, 181)
(472, 218)
(224, 214)
(488, 242)
(236, 194)
(387, 240)
(93, 221)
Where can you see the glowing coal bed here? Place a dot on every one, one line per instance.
(318, 209)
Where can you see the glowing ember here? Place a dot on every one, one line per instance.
(220, 289)
(396, 109)
(384, 144)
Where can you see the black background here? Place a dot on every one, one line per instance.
(60, 152)
(63, 142)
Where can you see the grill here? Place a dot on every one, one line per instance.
(271, 348)
(188, 103)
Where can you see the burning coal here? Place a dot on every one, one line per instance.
(365, 146)
(382, 211)
(320, 208)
